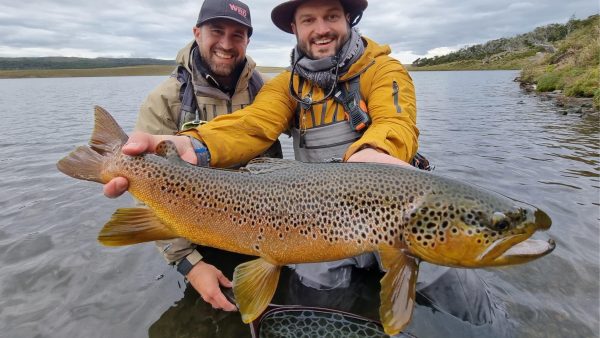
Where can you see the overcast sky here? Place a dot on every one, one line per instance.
(159, 28)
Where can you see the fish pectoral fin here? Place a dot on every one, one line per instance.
(254, 284)
(132, 226)
(398, 289)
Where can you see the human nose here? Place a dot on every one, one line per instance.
(322, 27)
(226, 42)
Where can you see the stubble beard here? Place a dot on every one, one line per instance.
(217, 68)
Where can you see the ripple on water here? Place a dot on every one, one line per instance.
(25, 248)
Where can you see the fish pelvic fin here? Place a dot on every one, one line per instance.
(132, 226)
(86, 163)
(398, 289)
(254, 284)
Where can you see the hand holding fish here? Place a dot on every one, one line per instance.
(140, 143)
(206, 278)
(370, 155)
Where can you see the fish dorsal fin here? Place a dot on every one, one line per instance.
(168, 150)
(107, 135)
(254, 284)
(132, 226)
(262, 165)
(398, 287)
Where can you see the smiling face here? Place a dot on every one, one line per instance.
(321, 28)
(222, 45)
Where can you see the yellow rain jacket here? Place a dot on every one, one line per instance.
(385, 86)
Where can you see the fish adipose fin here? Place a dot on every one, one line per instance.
(168, 150)
(86, 162)
(397, 289)
(254, 284)
(132, 226)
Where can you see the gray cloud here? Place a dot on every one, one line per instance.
(137, 28)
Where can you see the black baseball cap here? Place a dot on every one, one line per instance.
(225, 9)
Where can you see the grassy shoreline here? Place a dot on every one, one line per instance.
(158, 70)
(102, 72)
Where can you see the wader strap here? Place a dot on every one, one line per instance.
(187, 96)
(255, 84)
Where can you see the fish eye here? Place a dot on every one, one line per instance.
(500, 221)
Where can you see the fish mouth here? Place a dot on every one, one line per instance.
(514, 250)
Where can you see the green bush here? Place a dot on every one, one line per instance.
(548, 82)
(585, 85)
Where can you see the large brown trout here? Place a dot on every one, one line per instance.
(288, 212)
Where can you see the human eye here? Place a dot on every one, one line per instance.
(333, 17)
(217, 31)
(307, 20)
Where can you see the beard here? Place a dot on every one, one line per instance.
(314, 52)
(219, 66)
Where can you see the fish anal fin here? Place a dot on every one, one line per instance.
(132, 226)
(398, 289)
(254, 284)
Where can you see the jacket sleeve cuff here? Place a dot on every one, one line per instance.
(185, 265)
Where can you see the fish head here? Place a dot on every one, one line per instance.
(470, 227)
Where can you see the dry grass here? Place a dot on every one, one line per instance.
(97, 72)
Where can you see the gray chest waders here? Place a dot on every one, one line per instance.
(325, 144)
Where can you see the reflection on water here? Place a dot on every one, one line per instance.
(479, 127)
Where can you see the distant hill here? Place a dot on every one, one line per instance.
(30, 63)
(505, 53)
(556, 57)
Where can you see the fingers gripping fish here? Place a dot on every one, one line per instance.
(288, 212)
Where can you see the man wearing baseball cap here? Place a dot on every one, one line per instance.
(343, 97)
(213, 77)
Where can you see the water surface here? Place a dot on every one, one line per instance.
(57, 281)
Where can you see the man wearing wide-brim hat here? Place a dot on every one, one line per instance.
(343, 97)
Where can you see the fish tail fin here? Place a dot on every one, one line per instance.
(254, 284)
(86, 162)
(132, 226)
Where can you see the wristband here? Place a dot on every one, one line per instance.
(187, 263)
(202, 153)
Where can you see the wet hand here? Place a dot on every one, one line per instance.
(206, 278)
(370, 155)
(140, 143)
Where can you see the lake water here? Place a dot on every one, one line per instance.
(57, 281)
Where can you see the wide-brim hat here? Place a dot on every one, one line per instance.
(283, 14)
